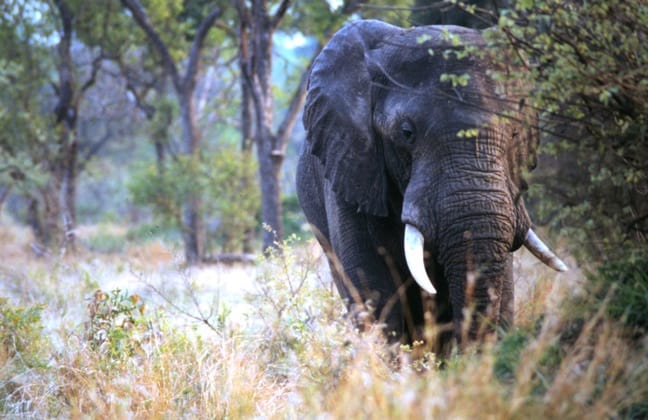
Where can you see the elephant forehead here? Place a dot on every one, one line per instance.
(432, 36)
(433, 107)
(427, 75)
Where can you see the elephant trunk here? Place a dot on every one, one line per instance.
(476, 272)
(474, 250)
(462, 207)
(467, 209)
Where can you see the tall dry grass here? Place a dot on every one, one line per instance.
(165, 347)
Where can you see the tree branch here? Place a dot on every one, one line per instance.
(143, 21)
(5, 194)
(94, 149)
(194, 55)
(226, 28)
(65, 88)
(296, 103)
(634, 223)
(281, 11)
(132, 84)
(96, 66)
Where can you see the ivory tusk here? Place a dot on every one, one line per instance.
(414, 256)
(542, 252)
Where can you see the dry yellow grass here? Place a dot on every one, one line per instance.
(196, 349)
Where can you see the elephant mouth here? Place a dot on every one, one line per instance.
(414, 255)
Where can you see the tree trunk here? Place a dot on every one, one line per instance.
(4, 195)
(184, 87)
(246, 147)
(160, 156)
(257, 27)
(49, 223)
(255, 61)
(34, 221)
(68, 194)
(192, 229)
(45, 212)
(270, 162)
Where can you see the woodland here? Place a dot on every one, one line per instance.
(131, 129)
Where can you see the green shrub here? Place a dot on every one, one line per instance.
(146, 232)
(225, 181)
(106, 242)
(234, 197)
(508, 352)
(586, 64)
(21, 339)
(117, 327)
(622, 286)
(293, 217)
(166, 190)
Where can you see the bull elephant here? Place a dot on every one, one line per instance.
(412, 179)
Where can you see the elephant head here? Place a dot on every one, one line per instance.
(412, 169)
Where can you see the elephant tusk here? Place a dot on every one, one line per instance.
(542, 252)
(414, 256)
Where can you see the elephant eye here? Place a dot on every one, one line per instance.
(407, 130)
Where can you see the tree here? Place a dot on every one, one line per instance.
(472, 13)
(184, 86)
(22, 72)
(587, 63)
(257, 25)
(256, 29)
(586, 66)
(46, 89)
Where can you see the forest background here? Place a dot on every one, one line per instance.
(179, 121)
(182, 118)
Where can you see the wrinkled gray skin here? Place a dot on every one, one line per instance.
(384, 149)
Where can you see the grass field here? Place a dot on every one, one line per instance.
(129, 333)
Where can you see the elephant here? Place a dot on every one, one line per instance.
(412, 179)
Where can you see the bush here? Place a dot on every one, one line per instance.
(21, 341)
(622, 286)
(587, 66)
(225, 181)
(117, 327)
(235, 197)
(105, 241)
(293, 217)
(146, 232)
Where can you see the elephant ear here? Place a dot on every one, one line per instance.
(338, 117)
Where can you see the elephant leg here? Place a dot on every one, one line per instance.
(359, 272)
(362, 271)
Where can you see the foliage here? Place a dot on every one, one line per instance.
(23, 352)
(101, 23)
(472, 13)
(24, 138)
(234, 193)
(508, 352)
(315, 18)
(105, 240)
(117, 327)
(622, 287)
(293, 218)
(165, 189)
(225, 181)
(587, 65)
(21, 340)
(288, 351)
(291, 306)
